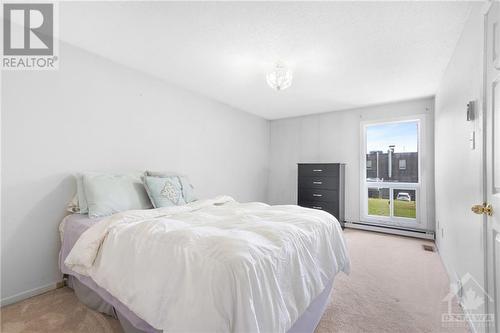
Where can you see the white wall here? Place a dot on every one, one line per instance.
(93, 114)
(458, 168)
(335, 137)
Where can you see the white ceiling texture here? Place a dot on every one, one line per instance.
(343, 54)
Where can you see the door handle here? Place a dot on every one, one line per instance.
(482, 209)
(317, 170)
(317, 195)
(317, 183)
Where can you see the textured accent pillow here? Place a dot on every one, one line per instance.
(187, 187)
(164, 191)
(108, 194)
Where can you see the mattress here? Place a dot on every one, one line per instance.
(74, 225)
(71, 229)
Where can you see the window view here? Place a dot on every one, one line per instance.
(379, 201)
(392, 169)
(404, 203)
(392, 152)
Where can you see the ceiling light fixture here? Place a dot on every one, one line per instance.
(280, 78)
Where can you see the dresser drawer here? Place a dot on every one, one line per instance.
(318, 170)
(328, 183)
(326, 206)
(313, 195)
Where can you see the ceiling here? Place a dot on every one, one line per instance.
(343, 54)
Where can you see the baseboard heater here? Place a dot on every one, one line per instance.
(391, 230)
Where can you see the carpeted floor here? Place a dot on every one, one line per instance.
(394, 286)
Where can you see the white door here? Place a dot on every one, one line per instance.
(492, 146)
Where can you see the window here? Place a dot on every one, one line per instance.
(391, 182)
(402, 164)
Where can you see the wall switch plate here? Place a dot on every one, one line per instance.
(471, 111)
(472, 140)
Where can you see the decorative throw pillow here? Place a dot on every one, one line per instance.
(187, 187)
(107, 194)
(164, 191)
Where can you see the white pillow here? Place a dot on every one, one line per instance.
(78, 204)
(73, 206)
(80, 192)
(107, 194)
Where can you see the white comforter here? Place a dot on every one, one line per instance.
(214, 265)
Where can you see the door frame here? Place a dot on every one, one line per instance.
(485, 128)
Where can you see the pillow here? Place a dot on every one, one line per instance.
(78, 204)
(164, 191)
(107, 194)
(80, 191)
(73, 206)
(187, 187)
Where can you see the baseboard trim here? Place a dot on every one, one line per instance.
(27, 294)
(391, 230)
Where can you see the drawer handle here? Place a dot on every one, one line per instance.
(318, 183)
(317, 195)
(317, 207)
(317, 170)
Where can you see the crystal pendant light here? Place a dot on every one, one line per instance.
(280, 78)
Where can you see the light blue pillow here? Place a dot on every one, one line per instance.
(108, 194)
(164, 191)
(187, 187)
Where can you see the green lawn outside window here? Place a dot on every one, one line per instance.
(381, 207)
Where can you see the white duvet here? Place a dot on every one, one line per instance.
(214, 265)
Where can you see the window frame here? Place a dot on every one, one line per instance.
(420, 221)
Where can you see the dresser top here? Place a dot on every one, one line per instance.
(318, 163)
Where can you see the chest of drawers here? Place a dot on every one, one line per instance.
(322, 186)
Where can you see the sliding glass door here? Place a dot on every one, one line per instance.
(391, 184)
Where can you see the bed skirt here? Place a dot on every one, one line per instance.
(306, 323)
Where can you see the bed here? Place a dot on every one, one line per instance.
(210, 265)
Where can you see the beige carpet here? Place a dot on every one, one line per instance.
(394, 286)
